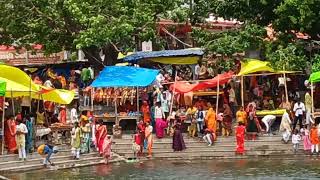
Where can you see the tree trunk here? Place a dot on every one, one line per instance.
(93, 55)
(110, 55)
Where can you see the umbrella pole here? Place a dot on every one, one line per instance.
(173, 92)
(12, 101)
(116, 111)
(138, 105)
(285, 87)
(312, 102)
(218, 90)
(242, 89)
(92, 97)
(3, 113)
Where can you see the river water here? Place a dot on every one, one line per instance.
(307, 168)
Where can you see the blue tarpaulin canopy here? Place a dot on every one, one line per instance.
(125, 76)
(160, 56)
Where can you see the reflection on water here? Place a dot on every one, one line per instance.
(167, 170)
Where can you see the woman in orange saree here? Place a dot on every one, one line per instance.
(101, 134)
(145, 109)
(9, 135)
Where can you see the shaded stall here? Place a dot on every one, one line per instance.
(254, 67)
(123, 76)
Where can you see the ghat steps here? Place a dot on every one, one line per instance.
(224, 147)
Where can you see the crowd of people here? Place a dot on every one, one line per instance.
(165, 113)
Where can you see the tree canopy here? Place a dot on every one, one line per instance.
(90, 25)
(285, 17)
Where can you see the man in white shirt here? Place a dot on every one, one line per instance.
(48, 84)
(74, 115)
(299, 110)
(268, 120)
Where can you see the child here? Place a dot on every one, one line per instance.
(314, 139)
(286, 136)
(220, 120)
(201, 114)
(306, 140)
(136, 144)
(46, 151)
(296, 138)
(21, 131)
(209, 137)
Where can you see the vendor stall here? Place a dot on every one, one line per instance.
(19, 84)
(254, 68)
(119, 77)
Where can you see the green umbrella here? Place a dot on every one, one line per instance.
(315, 77)
(2, 88)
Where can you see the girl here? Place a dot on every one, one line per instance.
(136, 144)
(149, 138)
(314, 139)
(220, 120)
(161, 124)
(296, 138)
(306, 140)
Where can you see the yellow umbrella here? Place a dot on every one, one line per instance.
(20, 84)
(254, 65)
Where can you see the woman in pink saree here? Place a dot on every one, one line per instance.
(101, 134)
(161, 124)
(107, 148)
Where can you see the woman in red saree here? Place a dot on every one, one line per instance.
(9, 134)
(240, 135)
(101, 134)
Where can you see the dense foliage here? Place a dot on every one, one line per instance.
(90, 25)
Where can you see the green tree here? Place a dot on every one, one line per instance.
(90, 25)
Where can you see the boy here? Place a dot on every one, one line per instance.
(296, 138)
(46, 151)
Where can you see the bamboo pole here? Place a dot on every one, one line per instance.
(285, 87)
(12, 101)
(218, 90)
(312, 101)
(3, 113)
(92, 98)
(242, 89)
(173, 92)
(138, 105)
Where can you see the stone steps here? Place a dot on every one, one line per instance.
(38, 160)
(15, 157)
(58, 164)
(199, 144)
